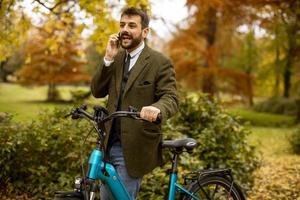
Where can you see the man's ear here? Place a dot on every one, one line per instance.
(145, 32)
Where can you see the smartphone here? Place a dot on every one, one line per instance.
(119, 39)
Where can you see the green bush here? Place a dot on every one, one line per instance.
(40, 157)
(222, 144)
(295, 141)
(78, 95)
(278, 105)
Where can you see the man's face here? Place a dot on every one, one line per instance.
(131, 32)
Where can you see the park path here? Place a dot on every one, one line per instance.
(277, 179)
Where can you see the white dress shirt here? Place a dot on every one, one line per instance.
(134, 56)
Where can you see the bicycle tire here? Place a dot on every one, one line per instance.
(215, 188)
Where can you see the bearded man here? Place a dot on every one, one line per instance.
(133, 74)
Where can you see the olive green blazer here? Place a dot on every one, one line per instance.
(151, 82)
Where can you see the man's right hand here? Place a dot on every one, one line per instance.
(112, 47)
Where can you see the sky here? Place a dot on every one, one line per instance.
(172, 11)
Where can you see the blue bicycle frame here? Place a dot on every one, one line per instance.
(99, 170)
(114, 184)
(110, 180)
(174, 187)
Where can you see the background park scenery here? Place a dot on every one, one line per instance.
(237, 65)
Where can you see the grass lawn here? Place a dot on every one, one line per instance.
(262, 119)
(271, 141)
(25, 103)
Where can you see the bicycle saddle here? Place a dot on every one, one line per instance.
(188, 143)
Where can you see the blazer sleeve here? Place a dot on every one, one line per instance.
(166, 91)
(101, 80)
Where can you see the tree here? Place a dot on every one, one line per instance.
(206, 46)
(11, 65)
(100, 12)
(13, 31)
(282, 25)
(199, 47)
(292, 21)
(53, 56)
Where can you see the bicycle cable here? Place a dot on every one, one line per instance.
(82, 152)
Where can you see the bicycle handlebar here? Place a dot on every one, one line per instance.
(101, 114)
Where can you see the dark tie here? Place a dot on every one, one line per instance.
(124, 80)
(126, 65)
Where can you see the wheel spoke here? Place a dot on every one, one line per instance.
(215, 190)
(205, 193)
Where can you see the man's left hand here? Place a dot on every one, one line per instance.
(149, 113)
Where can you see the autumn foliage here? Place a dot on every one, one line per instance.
(211, 37)
(53, 57)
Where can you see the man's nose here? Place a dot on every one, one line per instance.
(125, 28)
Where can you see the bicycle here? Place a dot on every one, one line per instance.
(200, 185)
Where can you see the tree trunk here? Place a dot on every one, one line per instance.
(211, 29)
(292, 32)
(250, 90)
(53, 94)
(277, 62)
(250, 64)
(298, 110)
(287, 73)
(3, 72)
(287, 78)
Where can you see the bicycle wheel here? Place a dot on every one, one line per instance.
(215, 188)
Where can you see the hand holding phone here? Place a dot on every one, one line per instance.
(112, 46)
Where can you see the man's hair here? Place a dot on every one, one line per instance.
(135, 11)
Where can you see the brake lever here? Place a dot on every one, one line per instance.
(83, 107)
(68, 115)
(73, 114)
(137, 116)
(132, 109)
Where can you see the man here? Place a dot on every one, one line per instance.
(135, 75)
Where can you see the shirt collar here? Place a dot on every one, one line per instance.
(137, 50)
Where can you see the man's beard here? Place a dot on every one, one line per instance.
(134, 42)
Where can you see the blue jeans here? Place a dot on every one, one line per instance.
(117, 160)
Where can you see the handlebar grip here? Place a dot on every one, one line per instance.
(158, 119)
(75, 116)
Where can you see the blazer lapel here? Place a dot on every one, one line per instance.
(119, 62)
(140, 64)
